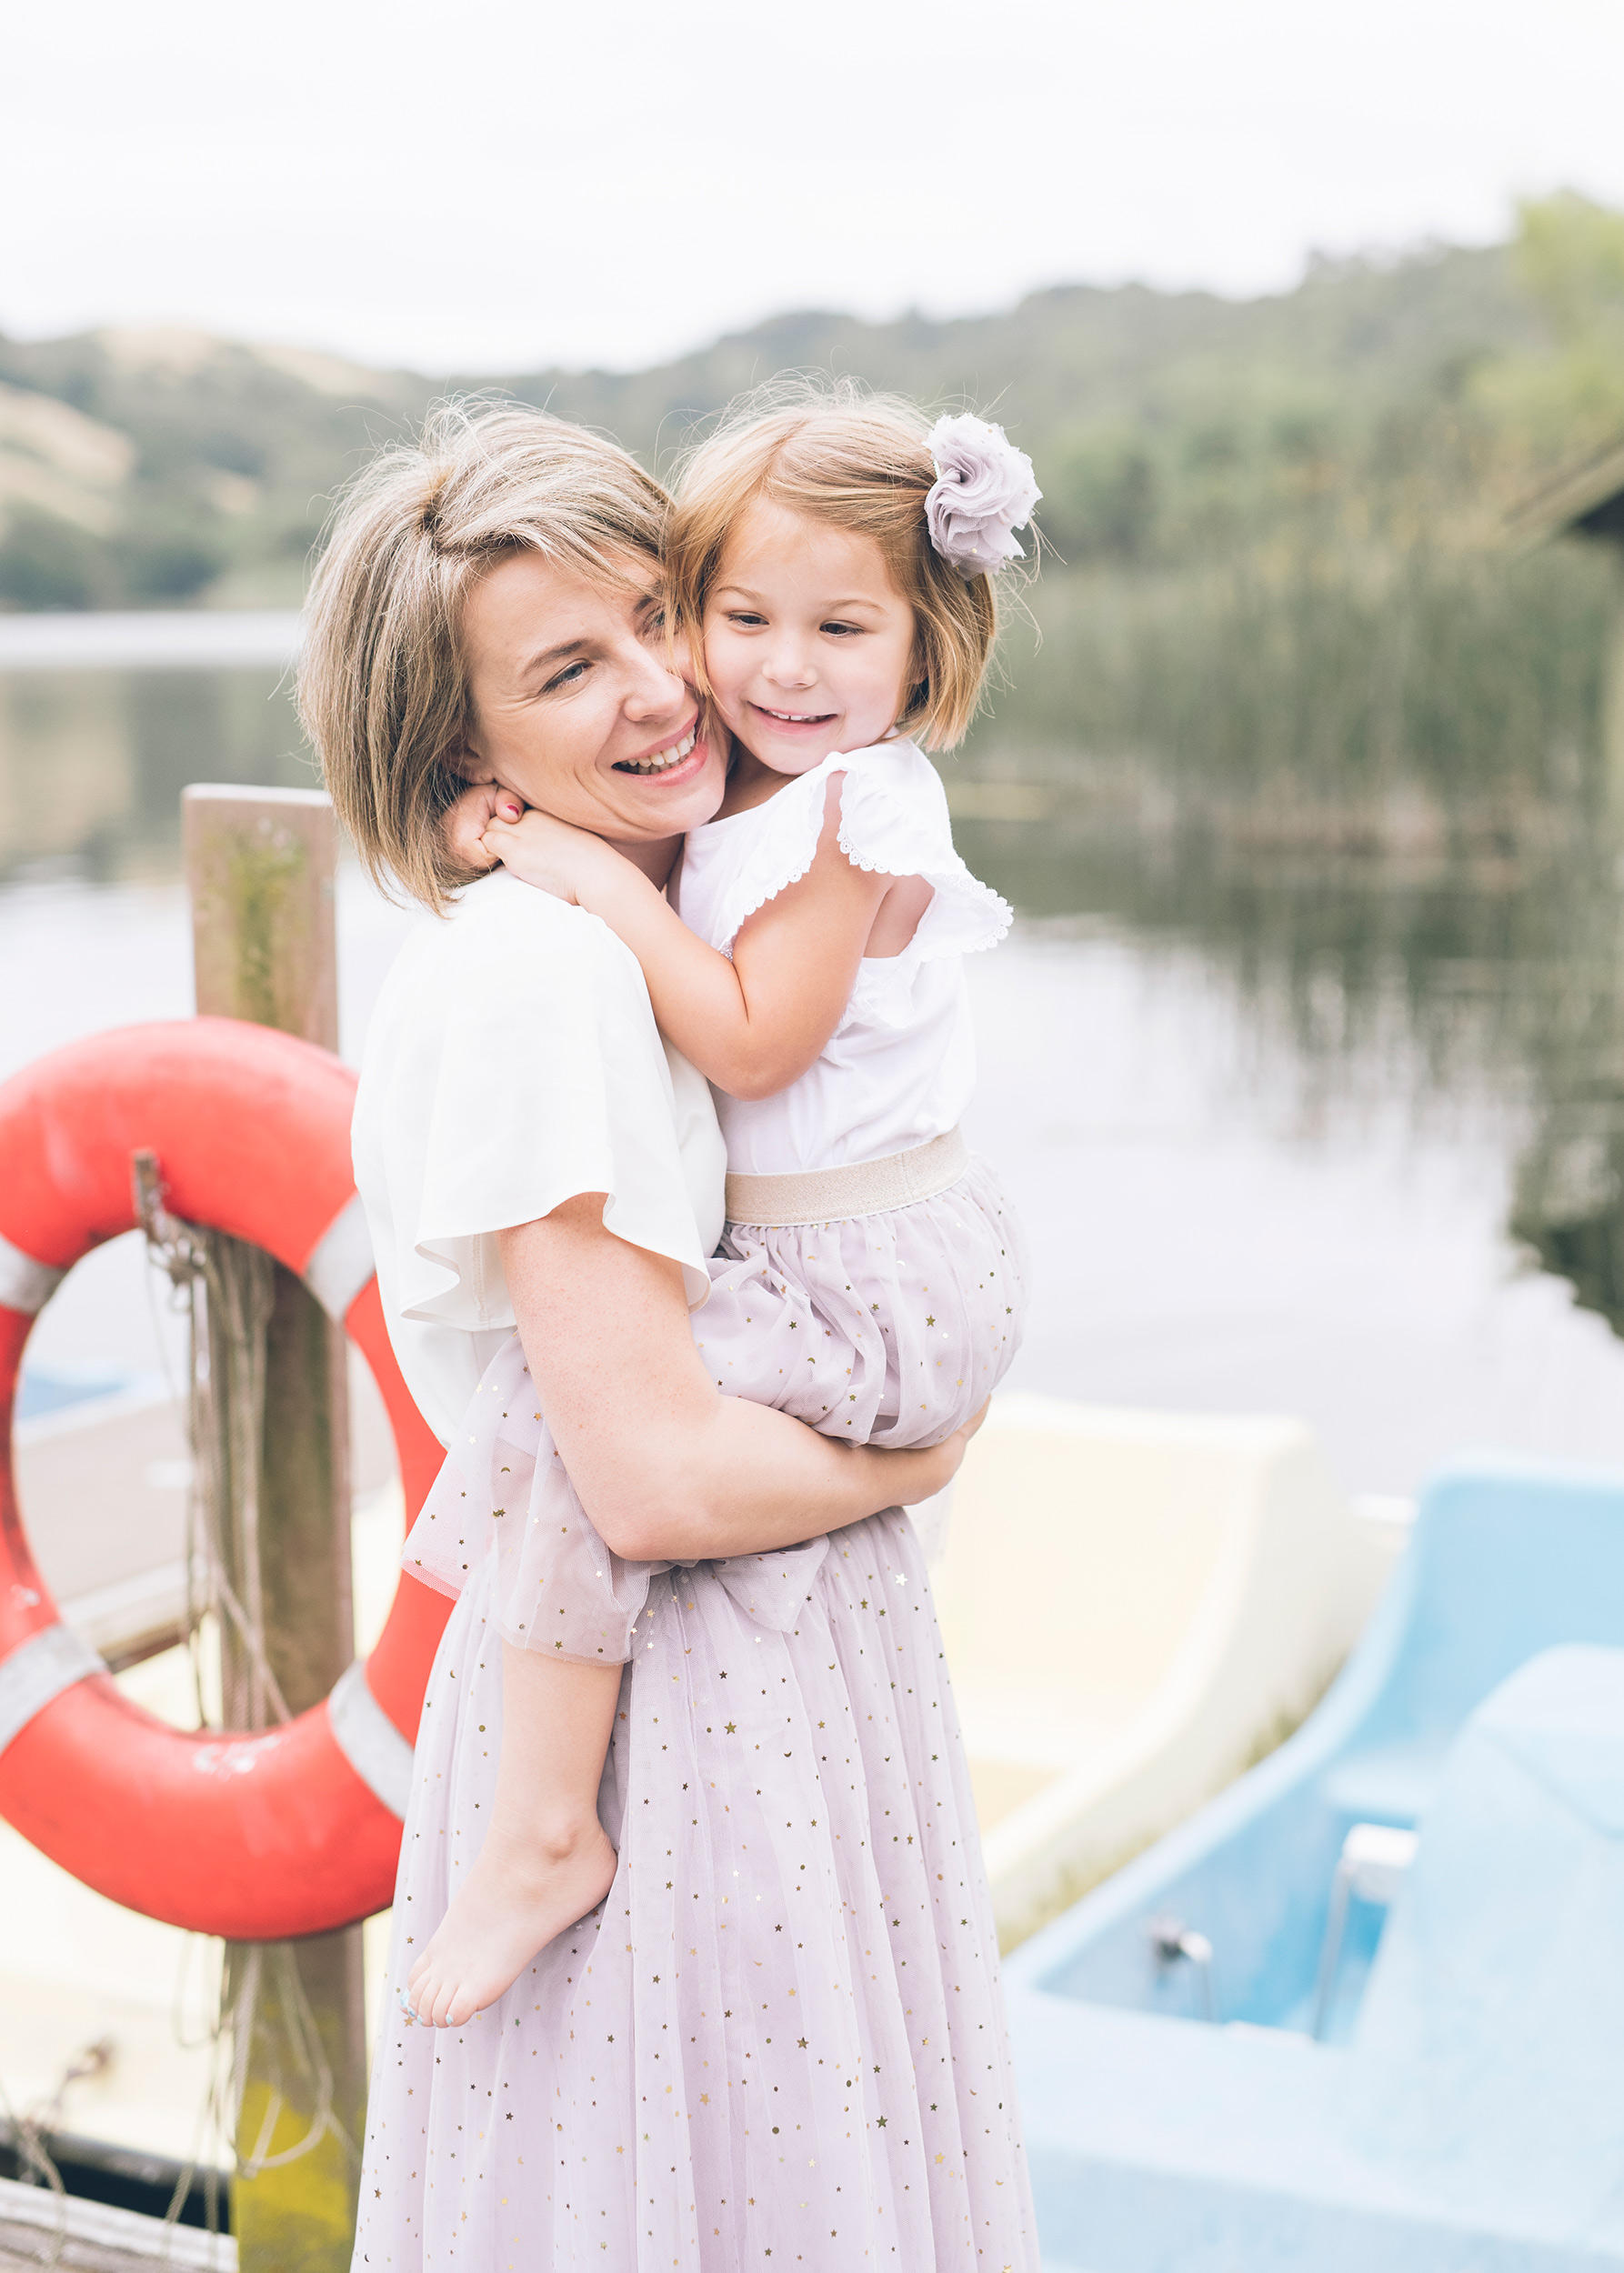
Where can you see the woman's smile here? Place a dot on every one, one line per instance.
(670, 763)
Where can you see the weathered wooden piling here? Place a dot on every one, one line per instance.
(260, 864)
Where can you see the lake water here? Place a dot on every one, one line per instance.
(1268, 1123)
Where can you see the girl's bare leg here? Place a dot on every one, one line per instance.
(546, 1860)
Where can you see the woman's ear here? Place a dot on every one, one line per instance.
(468, 765)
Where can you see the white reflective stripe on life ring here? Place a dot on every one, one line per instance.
(341, 1261)
(25, 1285)
(370, 1741)
(38, 1671)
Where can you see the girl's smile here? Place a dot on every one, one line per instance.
(796, 717)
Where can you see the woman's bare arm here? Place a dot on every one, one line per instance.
(666, 1466)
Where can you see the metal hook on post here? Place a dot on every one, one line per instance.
(176, 1247)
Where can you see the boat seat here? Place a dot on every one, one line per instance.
(1486, 2046)
(1385, 1784)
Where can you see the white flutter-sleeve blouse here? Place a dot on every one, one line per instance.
(900, 1067)
(513, 1061)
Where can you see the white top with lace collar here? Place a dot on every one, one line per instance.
(899, 1068)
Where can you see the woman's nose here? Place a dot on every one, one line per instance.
(658, 691)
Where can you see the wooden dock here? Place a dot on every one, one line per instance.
(95, 2239)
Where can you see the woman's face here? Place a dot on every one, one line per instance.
(577, 708)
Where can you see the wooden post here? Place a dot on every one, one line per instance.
(260, 865)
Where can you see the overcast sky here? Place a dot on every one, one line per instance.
(500, 186)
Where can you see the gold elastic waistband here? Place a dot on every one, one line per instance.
(777, 1202)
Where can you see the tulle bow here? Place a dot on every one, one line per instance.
(771, 1588)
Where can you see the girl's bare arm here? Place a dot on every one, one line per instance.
(665, 1465)
(753, 1024)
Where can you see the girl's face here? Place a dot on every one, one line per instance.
(808, 644)
(576, 709)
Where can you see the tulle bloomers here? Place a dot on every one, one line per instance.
(984, 491)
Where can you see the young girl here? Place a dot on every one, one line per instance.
(831, 566)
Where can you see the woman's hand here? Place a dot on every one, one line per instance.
(570, 863)
(939, 1462)
(465, 823)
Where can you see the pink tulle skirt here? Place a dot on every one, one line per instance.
(779, 2040)
(782, 2031)
(887, 1330)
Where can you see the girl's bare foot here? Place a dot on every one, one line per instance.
(519, 1893)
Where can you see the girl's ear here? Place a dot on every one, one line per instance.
(916, 695)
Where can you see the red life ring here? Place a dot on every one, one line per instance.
(254, 1837)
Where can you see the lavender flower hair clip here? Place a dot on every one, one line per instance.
(984, 491)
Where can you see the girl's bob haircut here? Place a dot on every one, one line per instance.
(856, 462)
(383, 688)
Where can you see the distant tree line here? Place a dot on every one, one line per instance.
(1274, 570)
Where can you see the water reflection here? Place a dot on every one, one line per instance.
(1568, 1199)
(92, 763)
(1483, 995)
(1476, 986)
(1445, 974)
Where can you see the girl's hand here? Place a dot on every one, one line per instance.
(569, 863)
(465, 823)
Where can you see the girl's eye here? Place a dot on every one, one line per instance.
(841, 631)
(746, 618)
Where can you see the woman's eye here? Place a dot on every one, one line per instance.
(567, 677)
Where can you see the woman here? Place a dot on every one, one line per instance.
(779, 2035)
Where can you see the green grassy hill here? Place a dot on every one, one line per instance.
(180, 460)
(1274, 526)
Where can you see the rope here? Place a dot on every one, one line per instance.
(25, 2130)
(226, 1290)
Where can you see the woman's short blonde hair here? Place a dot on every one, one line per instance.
(856, 462)
(383, 688)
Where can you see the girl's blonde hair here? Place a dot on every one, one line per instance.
(856, 462)
(383, 687)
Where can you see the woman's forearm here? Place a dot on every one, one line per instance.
(664, 1465)
(749, 1480)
